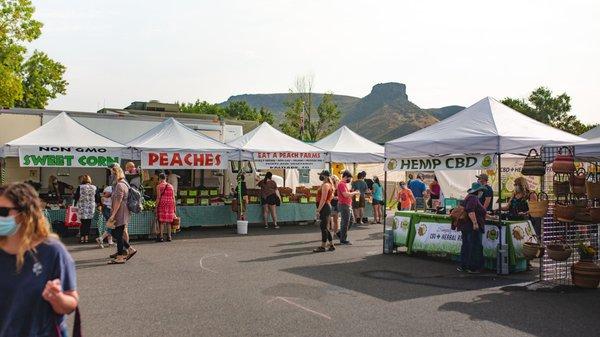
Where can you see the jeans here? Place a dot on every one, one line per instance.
(345, 211)
(324, 217)
(121, 244)
(471, 251)
(85, 227)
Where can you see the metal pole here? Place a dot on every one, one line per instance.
(384, 206)
(499, 183)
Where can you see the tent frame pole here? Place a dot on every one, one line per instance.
(499, 183)
(384, 207)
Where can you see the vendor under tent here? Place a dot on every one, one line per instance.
(470, 140)
(346, 146)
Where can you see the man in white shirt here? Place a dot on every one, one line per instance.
(173, 179)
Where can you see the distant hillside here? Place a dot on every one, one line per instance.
(384, 114)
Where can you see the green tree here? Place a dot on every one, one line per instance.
(548, 109)
(202, 107)
(264, 115)
(305, 122)
(241, 110)
(25, 82)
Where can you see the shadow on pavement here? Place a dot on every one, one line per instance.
(538, 313)
(399, 277)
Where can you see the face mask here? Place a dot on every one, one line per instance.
(321, 178)
(8, 225)
(479, 194)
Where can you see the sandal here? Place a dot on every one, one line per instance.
(319, 250)
(115, 261)
(130, 255)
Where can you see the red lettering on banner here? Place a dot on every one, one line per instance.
(176, 161)
(187, 159)
(164, 159)
(152, 158)
(198, 159)
(218, 160)
(208, 159)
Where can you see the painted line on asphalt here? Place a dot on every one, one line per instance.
(207, 256)
(288, 301)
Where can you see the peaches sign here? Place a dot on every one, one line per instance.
(184, 160)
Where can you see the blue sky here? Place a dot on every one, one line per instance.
(446, 52)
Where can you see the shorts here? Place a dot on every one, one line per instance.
(334, 206)
(270, 200)
(360, 203)
(378, 202)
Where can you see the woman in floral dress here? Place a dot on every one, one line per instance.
(165, 207)
(86, 206)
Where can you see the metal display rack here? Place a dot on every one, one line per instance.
(570, 233)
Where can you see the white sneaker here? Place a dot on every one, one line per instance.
(110, 243)
(99, 241)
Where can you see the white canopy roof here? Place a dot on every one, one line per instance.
(593, 133)
(587, 150)
(61, 131)
(487, 126)
(171, 135)
(346, 146)
(266, 138)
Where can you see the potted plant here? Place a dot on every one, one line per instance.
(586, 273)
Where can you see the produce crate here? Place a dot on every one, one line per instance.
(253, 199)
(189, 201)
(287, 191)
(312, 199)
(193, 193)
(204, 201)
(204, 193)
(303, 200)
(213, 192)
(285, 199)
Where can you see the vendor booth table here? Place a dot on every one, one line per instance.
(432, 233)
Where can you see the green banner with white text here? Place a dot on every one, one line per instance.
(53, 156)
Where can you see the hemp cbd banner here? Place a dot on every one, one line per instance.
(184, 160)
(53, 156)
(464, 162)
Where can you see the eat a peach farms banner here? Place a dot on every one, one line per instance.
(289, 160)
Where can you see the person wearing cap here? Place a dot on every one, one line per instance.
(471, 251)
(488, 192)
(361, 186)
(418, 189)
(406, 199)
(269, 199)
(345, 205)
(324, 197)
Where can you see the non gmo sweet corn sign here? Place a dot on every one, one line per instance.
(464, 162)
(56, 156)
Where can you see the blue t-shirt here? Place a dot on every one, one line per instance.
(417, 187)
(377, 192)
(23, 311)
(487, 192)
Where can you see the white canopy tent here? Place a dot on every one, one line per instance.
(593, 133)
(266, 138)
(171, 135)
(586, 150)
(485, 127)
(61, 131)
(346, 146)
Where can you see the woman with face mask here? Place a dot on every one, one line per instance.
(324, 197)
(38, 281)
(518, 208)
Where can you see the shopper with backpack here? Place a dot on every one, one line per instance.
(120, 215)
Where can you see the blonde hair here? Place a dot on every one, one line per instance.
(129, 165)
(33, 225)
(51, 179)
(86, 179)
(335, 180)
(521, 181)
(118, 172)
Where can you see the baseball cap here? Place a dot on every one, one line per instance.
(113, 165)
(483, 176)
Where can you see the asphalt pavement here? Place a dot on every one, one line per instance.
(212, 282)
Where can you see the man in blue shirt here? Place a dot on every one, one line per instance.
(488, 193)
(418, 187)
